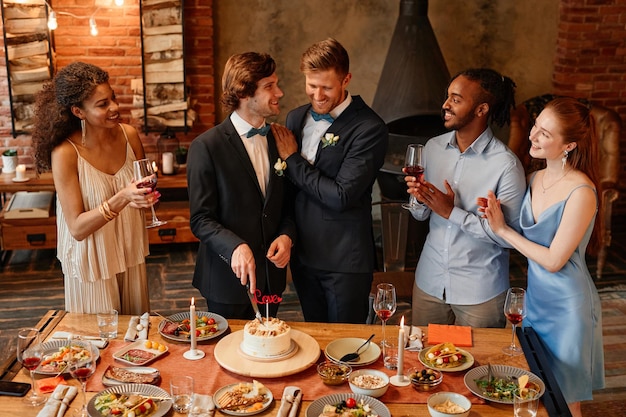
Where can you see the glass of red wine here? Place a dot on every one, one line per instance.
(515, 312)
(413, 167)
(146, 178)
(30, 354)
(385, 303)
(81, 367)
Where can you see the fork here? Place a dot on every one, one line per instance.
(489, 387)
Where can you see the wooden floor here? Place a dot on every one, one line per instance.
(31, 283)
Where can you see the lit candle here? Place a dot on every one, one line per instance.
(20, 172)
(401, 349)
(192, 324)
(168, 163)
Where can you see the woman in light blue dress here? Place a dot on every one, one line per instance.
(558, 221)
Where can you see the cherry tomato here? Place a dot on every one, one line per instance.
(212, 330)
(446, 360)
(350, 402)
(211, 321)
(205, 319)
(198, 333)
(437, 353)
(459, 355)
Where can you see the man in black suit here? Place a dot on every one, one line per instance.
(236, 195)
(337, 146)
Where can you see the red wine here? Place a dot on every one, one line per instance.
(82, 373)
(414, 171)
(31, 363)
(514, 318)
(384, 314)
(148, 184)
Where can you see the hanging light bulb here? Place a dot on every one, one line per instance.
(52, 20)
(93, 26)
(119, 2)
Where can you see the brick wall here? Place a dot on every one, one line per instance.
(117, 49)
(591, 61)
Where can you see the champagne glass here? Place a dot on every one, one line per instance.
(146, 178)
(30, 354)
(385, 303)
(515, 312)
(414, 167)
(81, 366)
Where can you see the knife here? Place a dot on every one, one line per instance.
(255, 307)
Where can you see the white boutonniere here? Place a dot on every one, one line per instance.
(329, 139)
(280, 166)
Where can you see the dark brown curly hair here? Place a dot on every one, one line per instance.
(54, 120)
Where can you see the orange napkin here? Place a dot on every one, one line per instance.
(48, 385)
(458, 335)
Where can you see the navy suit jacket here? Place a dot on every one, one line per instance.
(228, 208)
(333, 200)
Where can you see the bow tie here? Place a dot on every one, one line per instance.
(317, 117)
(262, 131)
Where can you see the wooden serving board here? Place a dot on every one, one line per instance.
(227, 354)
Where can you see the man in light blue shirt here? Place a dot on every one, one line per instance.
(463, 271)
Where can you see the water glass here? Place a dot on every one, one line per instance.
(181, 389)
(107, 324)
(526, 405)
(390, 354)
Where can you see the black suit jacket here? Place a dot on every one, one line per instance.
(228, 209)
(333, 210)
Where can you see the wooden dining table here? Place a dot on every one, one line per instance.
(486, 348)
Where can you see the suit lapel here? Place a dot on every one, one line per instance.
(242, 155)
(335, 128)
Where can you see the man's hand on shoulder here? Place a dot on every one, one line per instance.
(285, 141)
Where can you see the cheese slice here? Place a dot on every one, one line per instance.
(522, 381)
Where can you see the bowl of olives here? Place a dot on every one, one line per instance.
(425, 379)
(334, 373)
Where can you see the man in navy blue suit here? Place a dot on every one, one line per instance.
(236, 195)
(333, 147)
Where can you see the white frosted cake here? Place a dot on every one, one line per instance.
(266, 339)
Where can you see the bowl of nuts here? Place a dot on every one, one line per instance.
(369, 382)
(425, 379)
(333, 373)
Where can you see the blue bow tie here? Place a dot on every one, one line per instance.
(262, 131)
(317, 117)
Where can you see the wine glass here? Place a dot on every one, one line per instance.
(146, 178)
(82, 364)
(30, 354)
(414, 167)
(515, 312)
(385, 303)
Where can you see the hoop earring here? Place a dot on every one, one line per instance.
(83, 130)
(564, 159)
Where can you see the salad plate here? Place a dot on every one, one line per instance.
(508, 374)
(337, 348)
(317, 406)
(53, 362)
(220, 322)
(469, 361)
(161, 398)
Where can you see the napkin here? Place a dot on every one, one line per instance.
(48, 385)
(144, 322)
(58, 402)
(94, 340)
(296, 404)
(413, 341)
(131, 333)
(202, 406)
(458, 335)
(288, 400)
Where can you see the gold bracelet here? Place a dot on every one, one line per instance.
(108, 210)
(101, 210)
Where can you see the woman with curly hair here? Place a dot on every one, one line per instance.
(101, 240)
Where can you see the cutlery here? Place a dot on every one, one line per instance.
(348, 357)
(67, 335)
(255, 307)
(489, 379)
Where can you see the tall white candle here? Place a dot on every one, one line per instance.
(20, 172)
(401, 348)
(192, 324)
(168, 163)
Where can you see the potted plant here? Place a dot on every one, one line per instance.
(181, 155)
(9, 161)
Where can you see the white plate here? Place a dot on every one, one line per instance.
(139, 345)
(53, 346)
(110, 382)
(316, 407)
(141, 389)
(268, 401)
(337, 348)
(465, 365)
(221, 322)
(20, 179)
(499, 371)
